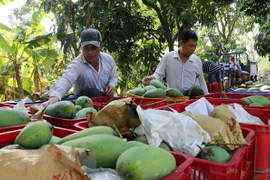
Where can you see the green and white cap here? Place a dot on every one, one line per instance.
(91, 36)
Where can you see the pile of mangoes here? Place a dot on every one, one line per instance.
(254, 87)
(256, 100)
(68, 110)
(156, 89)
(131, 159)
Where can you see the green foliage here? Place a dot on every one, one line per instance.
(136, 33)
(262, 40)
(4, 2)
(260, 11)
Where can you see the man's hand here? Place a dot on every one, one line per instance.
(52, 100)
(146, 80)
(109, 90)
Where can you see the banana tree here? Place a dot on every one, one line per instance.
(20, 59)
(12, 53)
(41, 58)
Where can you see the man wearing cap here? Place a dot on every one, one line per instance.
(92, 73)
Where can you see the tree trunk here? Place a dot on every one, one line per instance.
(19, 81)
(36, 80)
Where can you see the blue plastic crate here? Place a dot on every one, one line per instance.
(231, 90)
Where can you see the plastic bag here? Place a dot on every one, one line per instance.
(20, 107)
(181, 132)
(43, 164)
(115, 113)
(242, 116)
(101, 173)
(201, 106)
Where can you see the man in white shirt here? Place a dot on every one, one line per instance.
(92, 73)
(181, 68)
(236, 68)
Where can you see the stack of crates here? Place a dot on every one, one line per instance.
(239, 167)
(168, 99)
(261, 147)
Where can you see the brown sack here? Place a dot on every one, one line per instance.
(115, 113)
(52, 163)
(218, 130)
(223, 113)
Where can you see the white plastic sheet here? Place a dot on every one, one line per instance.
(181, 132)
(242, 116)
(101, 173)
(201, 106)
(20, 106)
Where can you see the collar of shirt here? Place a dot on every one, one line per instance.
(85, 62)
(177, 56)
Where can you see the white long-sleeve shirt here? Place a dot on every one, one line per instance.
(181, 75)
(80, 74)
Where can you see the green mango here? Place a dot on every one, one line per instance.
(253, 89)
(248, 83)
(195, 91)
(240, 89)
(55, 140)
(135, 143)
(149, 87)
(255, 98)
(155, 93)
(82, 112)
(223, 95)
(137, 91)
(84, 101)
(143, 139)
(35, 134)
(12, 146)
(215, 153)
(145, 162)
(62, 109)
(11, 117)
(172, 92)
(157, 84)
(44, 146)
(255, 104)
(78, 108)
(105, 148)
(87, 132)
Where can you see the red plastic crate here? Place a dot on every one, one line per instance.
(239, 166)
(99, 103)
(183, 162)
(7, 138)
(183, 170)
(215, 86)
(81, 125)
(62, 122)
(4, 105)
(231, 95)
(145, 103)
(11, 128)
(261, 175)
(219, 101)
(261, 147)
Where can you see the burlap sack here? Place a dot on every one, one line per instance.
(223, 113)
(42, 164)
(218, 130)
(115, 113)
